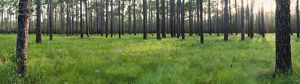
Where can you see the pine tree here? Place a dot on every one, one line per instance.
(283, 38)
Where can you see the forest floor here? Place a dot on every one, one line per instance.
(100, 60)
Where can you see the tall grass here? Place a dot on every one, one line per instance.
(100, 60)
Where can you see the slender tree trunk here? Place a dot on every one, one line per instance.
(77, 20)
(68, 17)
(248, 19)
(283, 38)
(182, 20)
(119, 17)
(72, 18)
(298, 19)
(190, 18)
(163, 19)
(106, 22)
(62, 17)
(22, 37)
(251, 29)
(2, 20)
(236, 17)
(134, 18)
(102, 20)
(129, 16)
(111, 18)
(226, 21)
(218, 21)
(145, 18)
(177, 28)
(209, 17)
(157, 21)
(150, 18)
(86, 19)
(123, 6)
(230, 18)
(55, 20)
(98, 16)
(200, 19)
(50, 19)
(172, 17)
(262, 22)
(38, 38)
(81, 20)
(242, 21)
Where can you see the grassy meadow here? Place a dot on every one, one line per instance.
(100, 60)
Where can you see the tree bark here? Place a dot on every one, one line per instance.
(145, 18)
(157, 21)
(50, 17)
(106, 22)
(242, 21)
(81, 20)
(172, 18)
(22, 37)
(111, 18)
(129, 16)
(134, 18)
(218, 21)
(190, 18)
(123, 6)
(163, 19)
(200, 19)
(226, 21)
(236, 18)
(262, 21)
(283, 30)
(182, 20)
(86, 19)
(119, 17)
(209, 17)
(62, 17)
(298, 19)
(38, 38)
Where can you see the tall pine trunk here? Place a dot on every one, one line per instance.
(22, 37)
(172, 18)
(81, 20)
(262, 21)
(129, 17)
(145, 18)
(226, 21)
(62, 17)
(134, 18)
(298, 19)
(50, 17)
(86, 19)
(190, 18)
(157, 21)
(107, 16)
(182, 20)
(242, 21)
(38, 38)
(119, 17)
(283, 38)
(209, 17)
(111, 18)
(163, 19)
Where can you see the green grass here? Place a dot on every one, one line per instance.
(100, 60)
